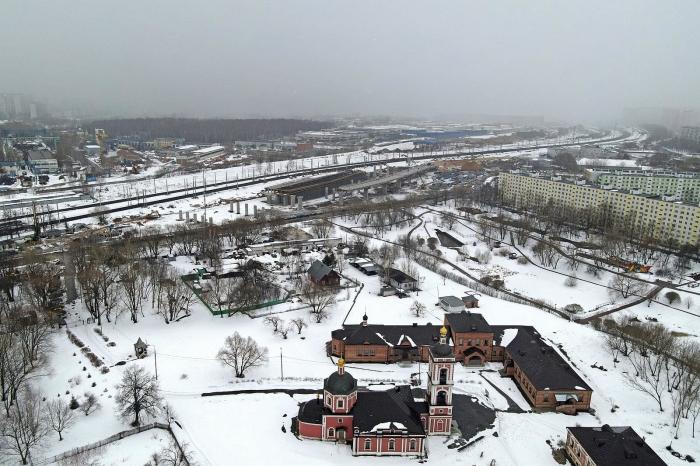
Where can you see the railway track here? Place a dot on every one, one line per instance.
(151, 199)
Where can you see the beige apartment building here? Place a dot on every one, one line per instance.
(682, 186)
(666, 219)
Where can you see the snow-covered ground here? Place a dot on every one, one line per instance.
(219, 429)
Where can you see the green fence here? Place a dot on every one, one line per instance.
(189, 281)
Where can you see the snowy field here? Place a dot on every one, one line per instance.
(214, 427)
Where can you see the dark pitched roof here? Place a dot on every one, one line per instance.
(340, 384)
(452, 301)
(615, 446)
(318, 270)
(392, 406)
(390, 335)
(469, 298)
(543, 365)
(399, 276)
(466, 321)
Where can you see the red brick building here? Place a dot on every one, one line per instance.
(543, 375)
(545, 378)
(380, 423)
(609, 446)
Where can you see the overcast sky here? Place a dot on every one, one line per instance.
(582, 60)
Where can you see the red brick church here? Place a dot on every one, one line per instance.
(382, 423)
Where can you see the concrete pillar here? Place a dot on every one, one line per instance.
(211, 220)
(246, 209)
(292, 200)
(187, 216)
(386, 189)
(269, 197)
(335, 193)
(300, 200)
(180, 216)
(238, 208)
(230, 207)
(326, 192)
(255, 210)
(366, 193)
(195, 217)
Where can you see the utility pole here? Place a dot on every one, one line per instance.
(281, 366)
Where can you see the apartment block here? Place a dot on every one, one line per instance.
(678, 185)
(662, 215)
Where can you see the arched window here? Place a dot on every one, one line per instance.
(392, 444)
(412, 445)
(368, 444)
(340, 403)
(331, 432)
(443, 376)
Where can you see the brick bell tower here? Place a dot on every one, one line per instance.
(440, 381)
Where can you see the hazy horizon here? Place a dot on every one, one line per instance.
(579, 61)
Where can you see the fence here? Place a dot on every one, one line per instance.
(111, 439)
(189, 279)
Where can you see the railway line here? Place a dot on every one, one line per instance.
(11, 226)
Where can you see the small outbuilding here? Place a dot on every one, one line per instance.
(140, 349)
(470, 301)
(321, 274)
(451, 304)
(401, 280)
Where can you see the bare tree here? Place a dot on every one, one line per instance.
(24, 428)
(176, 298)
(321, 228)
(59, 416)
(275, 322)
(90, 404)
(418, 309)
(138, 394)
(132, 280)
(319, 299)
(625, 286)
(241, 354)
(299, 323)
(172, 455)
(285, 329)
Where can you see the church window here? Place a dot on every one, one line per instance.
(412, 445)
(331, 432)
(340, 403)
(368, 444)
(392, 444)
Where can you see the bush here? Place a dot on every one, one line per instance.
(75, 340)
(522, 260)
(74, 403)
(104, 370)
(573, 308)
(672, 297)
(571, 282)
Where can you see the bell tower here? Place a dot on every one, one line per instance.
(440, 381)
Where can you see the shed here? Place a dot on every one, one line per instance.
(451, 304)
(321, 274)
(470, 301)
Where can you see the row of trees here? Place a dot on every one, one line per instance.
(663, 367)
(31, 417)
